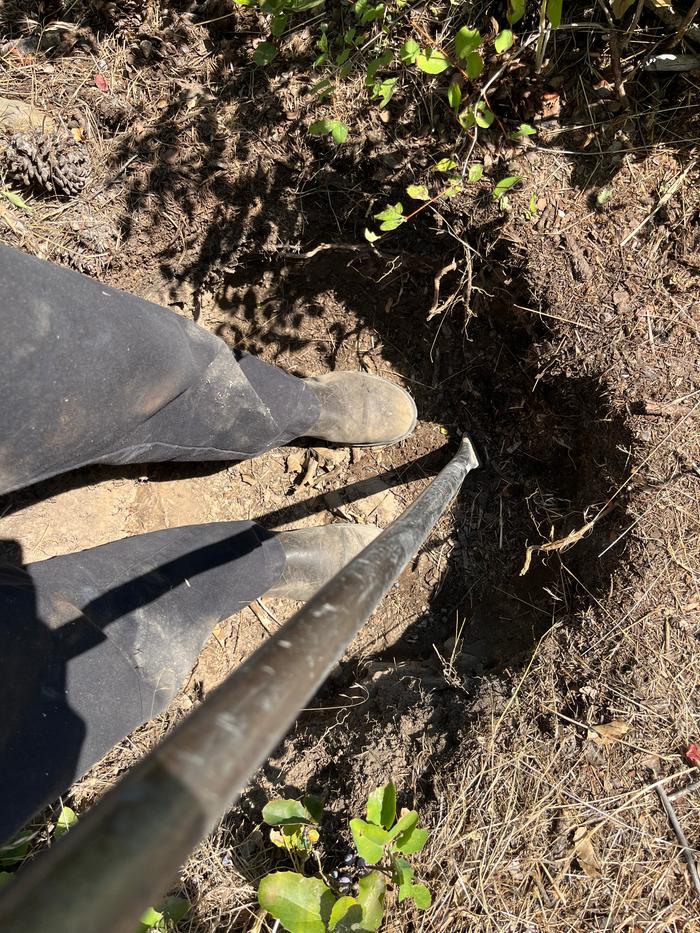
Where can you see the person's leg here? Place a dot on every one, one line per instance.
(95, 643)
(91, 374)
(94, 375)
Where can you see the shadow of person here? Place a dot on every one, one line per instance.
(95, 643)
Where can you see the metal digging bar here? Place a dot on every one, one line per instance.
(122, 856)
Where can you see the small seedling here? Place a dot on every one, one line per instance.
(335, 128)
(161, 919)
(505, 184)
(352, 895)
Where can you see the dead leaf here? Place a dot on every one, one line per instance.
(620, 7)
(247, 475)
(78, 134)
(585, 853)
(294, 463)
(692, 753)
(608, 732)
(101, 83)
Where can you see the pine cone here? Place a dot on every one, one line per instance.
(48, 161)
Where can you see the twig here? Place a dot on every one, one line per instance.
(290, 254)
(682, 791)
(680, 836)
(683, 28)
(654, 409)
(556, 317)
(614, 54)
(436, 307)
(572, 538)
(673, 187)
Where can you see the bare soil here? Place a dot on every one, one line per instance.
(567, 346)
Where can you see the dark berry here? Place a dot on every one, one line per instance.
(344, 881)
(349, 859)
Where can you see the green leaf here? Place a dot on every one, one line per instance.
(466, 41)
(554, 12)
(279, 24)
(384, 90)
(339, 132)
(175, 908)
(371, 237)
(314, 806)
(505, 184)
(281, 812)
(466, 118)
(337, 129)
(503, 41)
(381, 804)
(524, 130)
(454, 96)
(391, 218)
(15, 199)
(418, 893)
(482, 115)
(15, 850)
(264, 54)
(404, 824)
(151, 919)
(371, 899)
(516, 10)
(409, 52)
(418, 193)
(369, 839)
(475, 172)
(376, 64)
(475, 65)
(445, 165)
(454, 188)
(401, 872)
(412, 841)
(432, 62)
(67, 819)
(302, 905)
(603, 196)
(346, 915)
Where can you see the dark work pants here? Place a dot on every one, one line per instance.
(93, 644)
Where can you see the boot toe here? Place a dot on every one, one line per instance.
(362, 410)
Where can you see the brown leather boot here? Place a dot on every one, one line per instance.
(361, 410)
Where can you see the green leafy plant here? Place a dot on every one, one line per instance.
(393, 215)
(67, 819)
(353, 897)
(161, 919)
(335, 128)
(16, 200)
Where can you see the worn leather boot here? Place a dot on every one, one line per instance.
(361, 410)
(314, 555)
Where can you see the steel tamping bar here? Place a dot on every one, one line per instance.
(120, 858)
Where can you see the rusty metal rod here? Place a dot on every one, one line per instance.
(125, 853)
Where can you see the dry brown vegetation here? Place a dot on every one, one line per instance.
(530, 716)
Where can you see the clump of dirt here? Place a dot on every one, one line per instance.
(559, 329)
